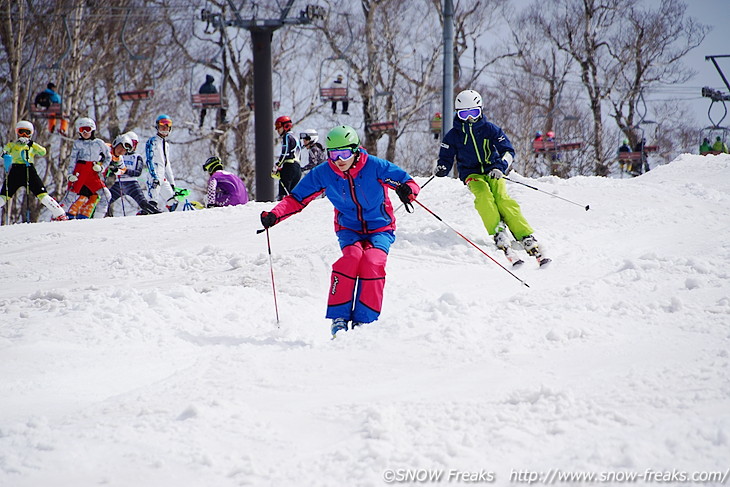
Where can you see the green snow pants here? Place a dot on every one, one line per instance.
(494, 204)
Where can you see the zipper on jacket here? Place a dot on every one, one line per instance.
(476, 148)
(351, 182)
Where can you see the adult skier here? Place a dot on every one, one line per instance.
(483, 155)
(19, 157)
(356, 184)
(287, 169)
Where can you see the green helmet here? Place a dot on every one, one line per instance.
(626, 141)
(342, 136)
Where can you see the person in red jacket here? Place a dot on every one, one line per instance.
(356, 184)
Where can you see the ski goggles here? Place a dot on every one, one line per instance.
(343, 154)
(305, 136)
(24, 132)
(467, 113)
(86, 129)
(165, 122)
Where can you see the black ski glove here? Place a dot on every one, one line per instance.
(405, 193)
(268, 219)
(441, 171)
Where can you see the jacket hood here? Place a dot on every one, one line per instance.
(209, 78)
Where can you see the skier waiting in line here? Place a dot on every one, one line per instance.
(483, 155)
(287, 169)
(89, 154)
(19, 169)
(224, 188)
(161, 180)
(316, 154)
(127, 171)
(356, 184)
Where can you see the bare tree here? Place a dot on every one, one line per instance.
(647, 50)
(582, 28)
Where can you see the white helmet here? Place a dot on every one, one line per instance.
(310, 134)
(468, 99)
(24, 124)
(134, 138)
(85, 122)
(125, 141)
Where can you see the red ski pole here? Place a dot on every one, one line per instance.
(273, 285)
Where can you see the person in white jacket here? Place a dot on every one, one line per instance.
(161, 180)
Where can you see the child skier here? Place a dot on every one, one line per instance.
(90, 155)
(20, 171)
(224, 188)
(129, 169)
(161, 180)
(483, 155)
(356, 184)
(309, 139)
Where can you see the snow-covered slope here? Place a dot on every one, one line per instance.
(144, 351)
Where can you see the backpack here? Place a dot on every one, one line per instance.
(43, 99)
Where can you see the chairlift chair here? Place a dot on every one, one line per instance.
(129, 94)
(329, 69)
(389, 123)
(711, 133)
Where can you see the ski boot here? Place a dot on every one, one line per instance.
(337, 325)
(502, 241)
(356, 324)
(530, 245)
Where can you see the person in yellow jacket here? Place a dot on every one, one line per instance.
(19, 169)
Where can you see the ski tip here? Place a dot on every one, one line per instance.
(545, 262)
(588, 207)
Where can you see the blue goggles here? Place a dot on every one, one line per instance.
(343, 153)
(468, 113)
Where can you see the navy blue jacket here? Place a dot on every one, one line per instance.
(478, 148)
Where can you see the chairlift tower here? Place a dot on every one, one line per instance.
(262, 31)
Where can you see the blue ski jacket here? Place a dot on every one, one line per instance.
(359, 195)
(478, 148)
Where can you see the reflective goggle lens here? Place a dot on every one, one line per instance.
(85, 129)
(304, 136)
(335, 154)
(23, 132)
(165, 122)
(469, 112)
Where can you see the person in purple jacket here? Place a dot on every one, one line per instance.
(356, 184)
(224, 188)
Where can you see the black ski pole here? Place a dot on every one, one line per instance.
(424, 185)
(27, 189)
(587, 207)
(470, 242)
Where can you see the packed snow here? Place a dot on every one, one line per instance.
(145, 351)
